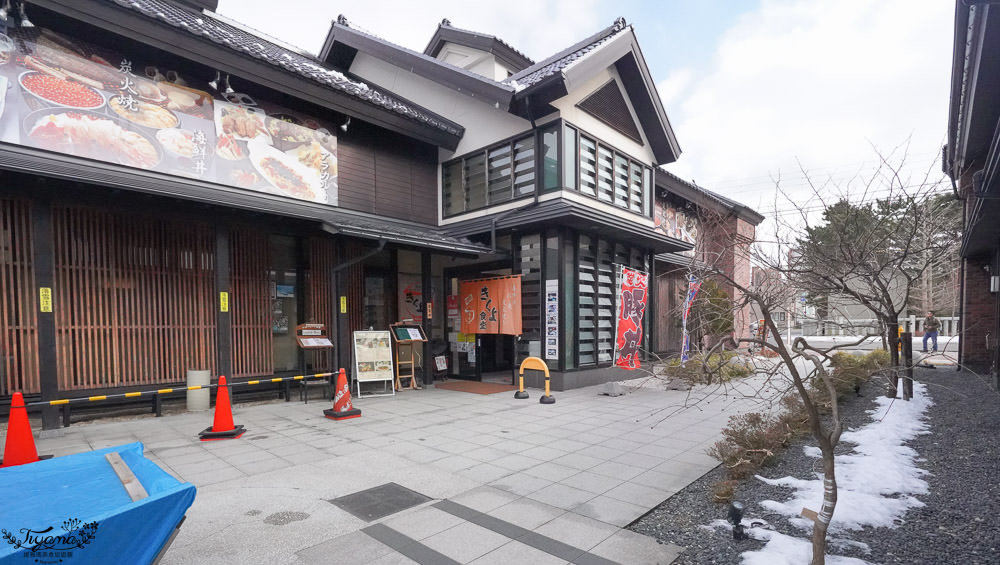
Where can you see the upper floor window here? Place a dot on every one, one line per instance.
(557, 156)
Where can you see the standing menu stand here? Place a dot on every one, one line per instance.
(313, 336)
(373, 361)
(404, 339)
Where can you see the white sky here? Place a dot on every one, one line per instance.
(751, 87)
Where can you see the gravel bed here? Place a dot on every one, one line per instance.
(959, 524)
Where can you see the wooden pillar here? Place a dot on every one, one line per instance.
(44, 263)
(342, 342)
(223, 318)
(427, 290)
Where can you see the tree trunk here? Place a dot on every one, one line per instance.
(892, 328)
(822, 522)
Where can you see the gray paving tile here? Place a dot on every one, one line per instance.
(629, 547)
(485, 498)
(520, 483)
(516, 462)
(551, 471)
(617, 470)
(407, 546)
(611, 510)
(422, 522)
(638, 494)
(578, 461)
(527, 513)
(519, 553)
(663, 481)
(602, 452)
(484, 472)
(577, 531)
(343, 550)
(465, 542)
(561, 496)
(591, 482)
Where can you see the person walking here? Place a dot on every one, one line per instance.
(931, 326)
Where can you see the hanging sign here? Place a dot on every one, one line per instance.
(491, 306)
(694, 285)
(45, 299)
(632, 293)
(223, 301)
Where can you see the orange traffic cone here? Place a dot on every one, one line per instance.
(342, 407)
(20, 445)
(222, 426)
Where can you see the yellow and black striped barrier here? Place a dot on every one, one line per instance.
(161, 391)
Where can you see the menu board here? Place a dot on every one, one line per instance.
(372, 356)
(68, 96)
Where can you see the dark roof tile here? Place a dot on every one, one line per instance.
(238, 39)
(556, 63)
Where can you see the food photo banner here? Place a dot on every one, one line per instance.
(632, 294)
(67, 96)
(491, 306)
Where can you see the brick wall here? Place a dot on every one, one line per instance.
(978, 317)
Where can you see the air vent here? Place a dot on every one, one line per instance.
(608, 105)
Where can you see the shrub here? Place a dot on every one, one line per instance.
(848, 372)
(749, 442)
(718, 367)
(723, 491)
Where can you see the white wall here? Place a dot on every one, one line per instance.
(484, 123)
(473, 60)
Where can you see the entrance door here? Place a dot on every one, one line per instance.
(473, 355)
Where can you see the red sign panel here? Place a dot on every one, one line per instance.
(491, 306)
(632, 305)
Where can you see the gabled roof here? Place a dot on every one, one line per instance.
(701, 196)
(539, 85)
(553, 65)
(186, 21)
(503, 51)
(343, 42)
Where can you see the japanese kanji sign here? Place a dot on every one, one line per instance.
(632, 293)
(491, 306)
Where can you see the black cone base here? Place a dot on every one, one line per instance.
(345, 415)
(40, 458)
(209, 435)
(520, 394)
(547, 399)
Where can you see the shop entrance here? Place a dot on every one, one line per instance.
(478, 356)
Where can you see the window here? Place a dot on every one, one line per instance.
(621, 181)
(587, 301)
(570, 157)
(475, 182)
(550, 159)
(524, 166)
(494, 176)
(605, 174)
(499, 175)
(588, 166)
(451, 188)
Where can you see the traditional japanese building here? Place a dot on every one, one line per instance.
(180, 192)
(971, 159)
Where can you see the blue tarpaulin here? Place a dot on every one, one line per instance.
(74, 509)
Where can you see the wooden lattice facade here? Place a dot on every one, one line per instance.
(18, 318)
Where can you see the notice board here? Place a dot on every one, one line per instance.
(372, 356)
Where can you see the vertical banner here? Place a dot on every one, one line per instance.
(694, 285)
(632, 293)
(552, 320)
(411, 298)
(491, 306)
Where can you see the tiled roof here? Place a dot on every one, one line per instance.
(238, 39)
(726, 202)
(378, 227)
(446, 23)
(560, 61)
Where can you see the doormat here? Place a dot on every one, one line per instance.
(379, 502)
(475, 387)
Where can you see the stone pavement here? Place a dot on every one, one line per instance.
(503, 480)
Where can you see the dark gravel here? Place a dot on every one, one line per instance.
(960, 523)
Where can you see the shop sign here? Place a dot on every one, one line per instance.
(491, 306)
(223, 301)
(632, 294)
(552, 320)
(68, 96)
(45, 299)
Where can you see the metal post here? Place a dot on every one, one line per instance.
(908, 360)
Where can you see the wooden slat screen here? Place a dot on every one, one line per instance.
(18, 318)
(134, 298)
(250, 303)
(321, 299)
(355, 275)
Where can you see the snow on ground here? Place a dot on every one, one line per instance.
(877, 484)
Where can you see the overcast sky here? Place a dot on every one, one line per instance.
(752, 88)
